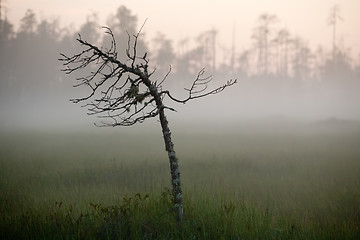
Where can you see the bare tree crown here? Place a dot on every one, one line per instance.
(123, 91)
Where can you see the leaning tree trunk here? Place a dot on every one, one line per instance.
(169, 147)
(174, 167)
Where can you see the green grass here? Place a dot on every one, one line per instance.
(238, 185)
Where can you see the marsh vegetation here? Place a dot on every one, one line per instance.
(278, 182)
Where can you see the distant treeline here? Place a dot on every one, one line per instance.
(29, 65)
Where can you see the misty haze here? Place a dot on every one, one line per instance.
(274, 156)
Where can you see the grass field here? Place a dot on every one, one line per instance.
(258, 183)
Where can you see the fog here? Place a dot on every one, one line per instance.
(280, 78)
(272, 154)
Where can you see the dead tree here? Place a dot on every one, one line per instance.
(124, 93)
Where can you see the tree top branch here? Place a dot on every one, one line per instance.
(124, 93)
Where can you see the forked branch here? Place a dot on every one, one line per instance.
(199, 87)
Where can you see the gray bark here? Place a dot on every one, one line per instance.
(174, 167)
(169, 147)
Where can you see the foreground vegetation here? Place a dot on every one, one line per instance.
(264, 184)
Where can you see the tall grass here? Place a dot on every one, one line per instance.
(237, 185)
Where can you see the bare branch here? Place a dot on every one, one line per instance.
(165, 77)
(199, 87)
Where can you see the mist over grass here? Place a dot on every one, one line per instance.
(280, 181)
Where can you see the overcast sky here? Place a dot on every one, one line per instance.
(188, 18)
